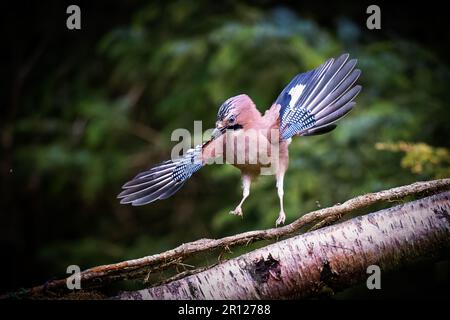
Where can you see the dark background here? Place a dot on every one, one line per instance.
(86, 110)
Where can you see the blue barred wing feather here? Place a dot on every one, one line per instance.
(313, 101)
(162, 180)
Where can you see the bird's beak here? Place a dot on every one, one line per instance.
(217, 132)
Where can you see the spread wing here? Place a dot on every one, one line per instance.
(166, 178)
(313, 101)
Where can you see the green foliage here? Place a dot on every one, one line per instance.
(421, 158)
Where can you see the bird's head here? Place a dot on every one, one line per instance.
(234, 114)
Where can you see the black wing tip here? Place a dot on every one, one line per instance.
(357, 88)
(344, 59)
(125, 201)
(135, 202)
(130, 183)
(320, 130)
(154, 184)
(353, 62)
(161, 194)
(345, 55)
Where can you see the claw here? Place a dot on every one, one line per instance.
(237, 211)
(281, 219)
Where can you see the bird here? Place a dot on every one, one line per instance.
(310, 104)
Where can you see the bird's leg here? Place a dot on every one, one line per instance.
(280, 190)
(246, 181)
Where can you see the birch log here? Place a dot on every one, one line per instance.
(334, 257)
(137, 268)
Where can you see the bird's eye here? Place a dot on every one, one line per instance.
(231, 119)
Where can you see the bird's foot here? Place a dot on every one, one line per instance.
(281, 219)
(237, 211)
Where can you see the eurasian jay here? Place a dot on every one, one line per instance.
(309, 105)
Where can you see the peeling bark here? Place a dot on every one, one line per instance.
(141, 267)
(333, 258)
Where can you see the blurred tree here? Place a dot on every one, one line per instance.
(421, 158)
(98, 106)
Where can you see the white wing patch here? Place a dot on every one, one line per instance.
(295, 93)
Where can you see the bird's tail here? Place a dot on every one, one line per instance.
(162, 180)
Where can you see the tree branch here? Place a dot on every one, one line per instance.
(328, 259)
(150, 264)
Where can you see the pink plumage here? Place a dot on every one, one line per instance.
(258, 144)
